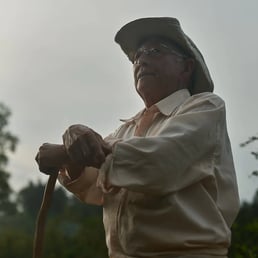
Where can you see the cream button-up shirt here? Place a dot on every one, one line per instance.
(171, 192)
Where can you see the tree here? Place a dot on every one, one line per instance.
(254, 153)
(245, 231)
(8, 144)
(245, 228)
(30, 198)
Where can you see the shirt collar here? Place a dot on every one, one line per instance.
(166, 106)
(169, 104)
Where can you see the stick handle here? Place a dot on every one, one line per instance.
(41, 219)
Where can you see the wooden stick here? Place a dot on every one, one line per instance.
(41, 219)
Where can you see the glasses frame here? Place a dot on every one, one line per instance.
(157, 51)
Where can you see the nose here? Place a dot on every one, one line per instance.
(142, 60)
(140, 63)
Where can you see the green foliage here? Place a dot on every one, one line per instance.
(29, 199)
(15, 244)
(245, 231)
(80, 239)
(8, 143)
(245, 228)
(254, 153)
(73, 229)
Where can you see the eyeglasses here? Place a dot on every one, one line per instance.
(156, 52)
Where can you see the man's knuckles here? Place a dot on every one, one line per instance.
(48, 170)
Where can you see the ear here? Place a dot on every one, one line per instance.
(189, 66)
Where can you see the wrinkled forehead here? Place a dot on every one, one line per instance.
(158, 40)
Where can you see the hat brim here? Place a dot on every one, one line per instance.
(132, 34)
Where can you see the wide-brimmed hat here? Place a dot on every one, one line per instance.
(131, 35)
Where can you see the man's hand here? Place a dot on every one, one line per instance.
(84, 146)
(51, 157)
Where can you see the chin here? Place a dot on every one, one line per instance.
(143, 89)
(148, 94)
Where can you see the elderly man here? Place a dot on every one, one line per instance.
(166, 177)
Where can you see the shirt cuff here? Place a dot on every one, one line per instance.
(84, 187)
(102, 180)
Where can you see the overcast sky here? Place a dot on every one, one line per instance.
(60, 65)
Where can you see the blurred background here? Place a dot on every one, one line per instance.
(60, 65)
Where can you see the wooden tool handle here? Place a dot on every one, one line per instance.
(41, 219)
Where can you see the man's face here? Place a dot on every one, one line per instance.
(158, 71)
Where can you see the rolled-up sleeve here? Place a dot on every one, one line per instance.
(180, 154)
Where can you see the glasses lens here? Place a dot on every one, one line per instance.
(157, 51)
